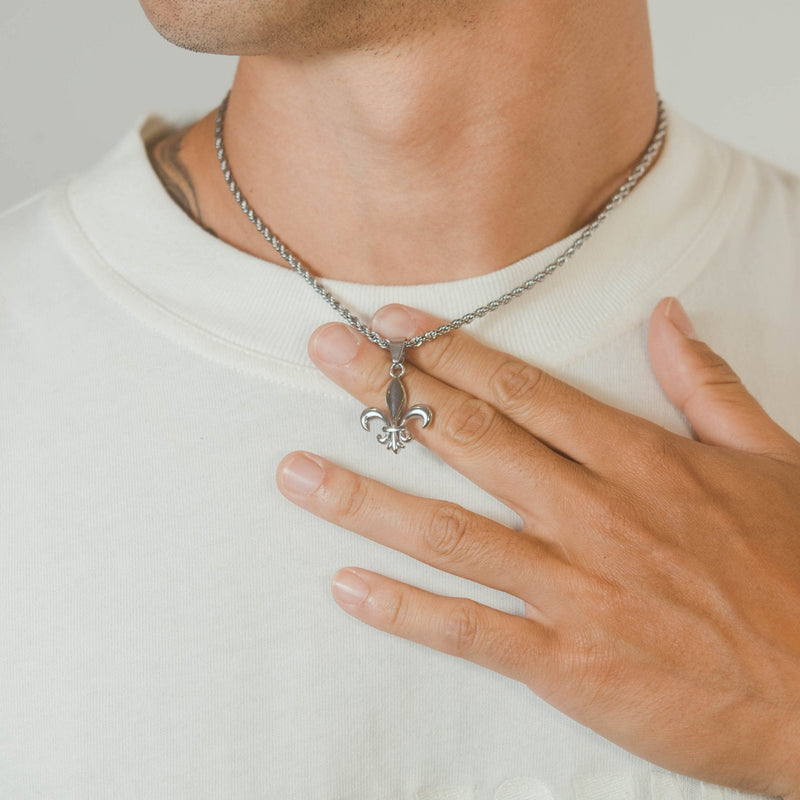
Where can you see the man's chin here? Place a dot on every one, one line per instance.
(298, 28)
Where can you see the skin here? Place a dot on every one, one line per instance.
(631, 613)
(167, 157)
(399, 142)
(351, 156)
(303, 28)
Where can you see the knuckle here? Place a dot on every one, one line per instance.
(445, 352)
(713, 374)
(445, 534)
(352, 500)
(654, 454)
(792, 452)
(611, 602)
(461, 628)
(713, 367)
(515, 383)
(588, 665)
(469, 422)
(615, 517)
(661, 450)
(394, 611)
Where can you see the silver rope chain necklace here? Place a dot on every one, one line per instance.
(394, 432)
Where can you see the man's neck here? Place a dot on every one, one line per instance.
(445, 157)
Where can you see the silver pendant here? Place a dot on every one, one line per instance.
(395, 433)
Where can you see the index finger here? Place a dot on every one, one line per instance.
(566, 419)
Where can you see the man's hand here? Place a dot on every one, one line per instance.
(660, 575)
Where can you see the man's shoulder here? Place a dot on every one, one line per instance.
(27, 230)
(103, 182)
(752, 205)
(761, 179)
(772, 179)
(769, 203)
(36, 271)
(56, 223)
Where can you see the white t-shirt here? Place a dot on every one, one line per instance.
(167, 629)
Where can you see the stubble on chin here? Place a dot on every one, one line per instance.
(298, 28)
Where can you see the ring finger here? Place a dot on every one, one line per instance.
(438, 533)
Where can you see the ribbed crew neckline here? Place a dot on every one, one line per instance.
(133, 240)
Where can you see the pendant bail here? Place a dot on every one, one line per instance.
(397, 350)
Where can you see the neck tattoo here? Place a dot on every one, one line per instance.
(394, 434)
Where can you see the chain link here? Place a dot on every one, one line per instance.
(351, 319)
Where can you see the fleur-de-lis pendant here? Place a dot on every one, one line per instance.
(395, 433)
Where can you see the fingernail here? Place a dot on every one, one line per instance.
(301, 474)
(349, 589)
(677, 316)
(394, 322)
(335, 344)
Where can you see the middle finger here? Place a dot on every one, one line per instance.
(467, 432)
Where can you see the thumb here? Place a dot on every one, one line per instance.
(705, 388)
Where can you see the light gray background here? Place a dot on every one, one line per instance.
(76, 74)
